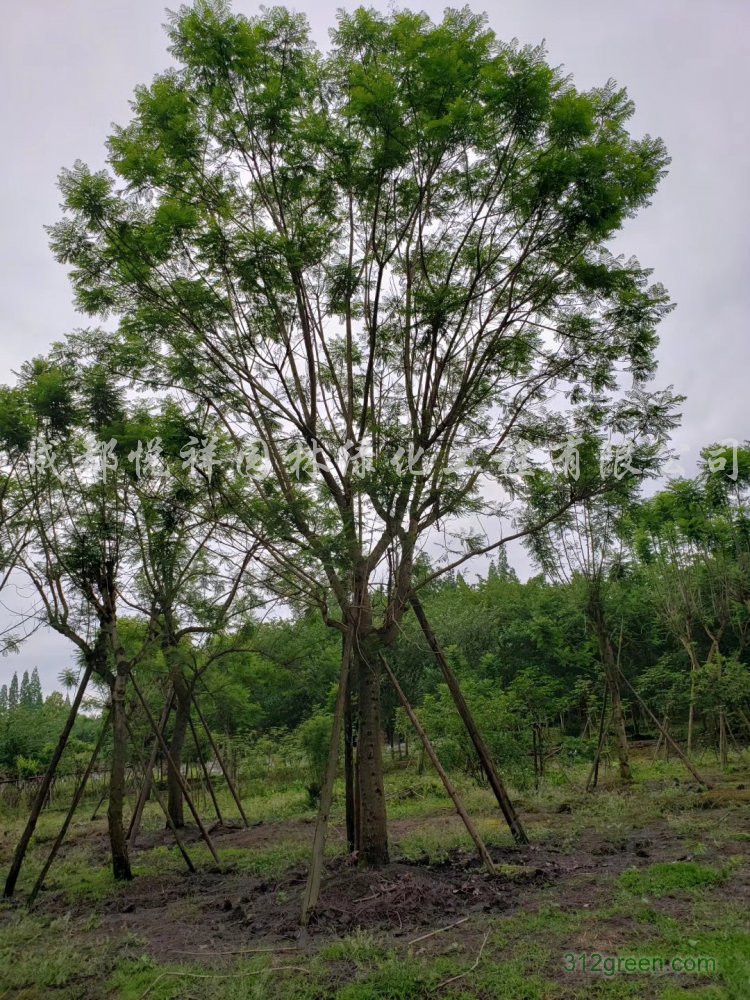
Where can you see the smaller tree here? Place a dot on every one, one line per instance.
(583, 547)
(23, 692)
(13, 693)
(36, 698)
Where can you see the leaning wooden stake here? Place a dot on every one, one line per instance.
(148, 780)
(28, 833)
(594, 773)
(185, 790)
(668, 739)
(312, 889)
(485, 758)
(220, 760)
(448, 784)
(204, 768)
(69, 816)
(170, 822)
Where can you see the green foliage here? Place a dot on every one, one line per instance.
(314, 736)
(29, 728)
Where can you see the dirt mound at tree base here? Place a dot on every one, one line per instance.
(404, 897)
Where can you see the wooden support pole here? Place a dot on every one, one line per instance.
(170, 821)
(312, 889)
(220, 760)
(41, 795)
(593, 777)
(77, 795)
(485, 758)
(204, 768)
(148, 779)
(447, 783)
(675, 746)
(185, 790)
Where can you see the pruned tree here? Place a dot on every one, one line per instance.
(392, 256)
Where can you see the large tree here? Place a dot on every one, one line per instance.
(393, 255)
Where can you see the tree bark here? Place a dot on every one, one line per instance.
(117, 839)
(482, 750)
(36, 808)
(349, 775)
(175, 801)
(373, 843)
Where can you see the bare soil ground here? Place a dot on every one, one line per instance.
(215, 913)
(428, 906)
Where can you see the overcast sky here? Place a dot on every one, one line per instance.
(68, 69)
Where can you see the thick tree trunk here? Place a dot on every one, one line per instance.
(117, 839)
(482, 750)
(175, 801)
(349, 775)
(373, 841)
(41, 795)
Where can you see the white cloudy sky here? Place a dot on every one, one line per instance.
(67, 70)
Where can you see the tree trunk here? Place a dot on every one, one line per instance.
(206, 774)
(690, 650)
(117, 839)
(349, 775)
(593, 777)
(373, 846)
(165, 749)
(675, 746)
(618, 723)
(221, 762)
(175, 801)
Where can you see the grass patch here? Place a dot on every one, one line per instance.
(664, 879)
